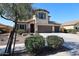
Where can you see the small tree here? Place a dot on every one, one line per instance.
(15, 12)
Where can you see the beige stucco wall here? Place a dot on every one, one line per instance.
(68, 27)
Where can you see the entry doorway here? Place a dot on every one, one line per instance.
(32, 28)
(57, 29)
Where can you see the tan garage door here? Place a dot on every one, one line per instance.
(44, 29)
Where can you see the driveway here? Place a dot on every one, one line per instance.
(71, 41)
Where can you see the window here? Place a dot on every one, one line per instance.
(41, 15)
(21, 26)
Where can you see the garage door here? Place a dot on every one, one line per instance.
(44, 29)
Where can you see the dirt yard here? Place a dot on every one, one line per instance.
(4, 39)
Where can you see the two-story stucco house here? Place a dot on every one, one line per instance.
(40, 23)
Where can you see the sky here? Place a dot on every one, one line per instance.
(59, 12)
(6, 22)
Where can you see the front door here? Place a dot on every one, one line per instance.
(57, 28)
(32, 28)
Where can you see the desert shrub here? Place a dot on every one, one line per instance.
(20, 31)
(34, 43)
(55, 41)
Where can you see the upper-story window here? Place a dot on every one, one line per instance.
(41, 15)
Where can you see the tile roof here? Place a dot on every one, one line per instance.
(41, 10)
(2, 25)
(53, 22)
(71, 22)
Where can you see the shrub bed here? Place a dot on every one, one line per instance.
(20, 31)
(72, 31)
(55, 41)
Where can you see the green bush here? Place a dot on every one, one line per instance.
(55, 41)
(34, 43)
(20, 31)
(72, 31)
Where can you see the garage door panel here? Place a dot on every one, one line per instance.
(44, 29)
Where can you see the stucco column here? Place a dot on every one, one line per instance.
(25, 27)
(53, 28)
(36, 27)
(28, 28)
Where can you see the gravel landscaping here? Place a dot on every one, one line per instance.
(71, 42)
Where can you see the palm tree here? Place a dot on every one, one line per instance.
(15, 12)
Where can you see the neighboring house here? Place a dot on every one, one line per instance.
(5, 28)
(40, 23)
(71, 25)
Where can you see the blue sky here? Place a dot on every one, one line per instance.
(59, 12)
(6, 22)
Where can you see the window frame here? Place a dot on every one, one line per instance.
(41, 15)
(21, 26)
